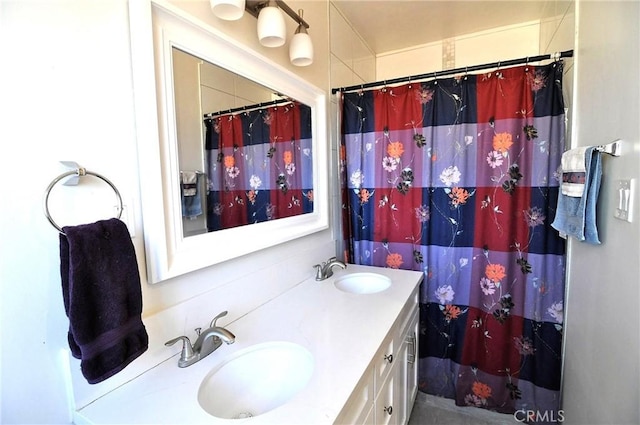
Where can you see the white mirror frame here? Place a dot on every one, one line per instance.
(158, 26)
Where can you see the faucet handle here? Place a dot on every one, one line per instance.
(213, 322)
(187, 349)
(318, 270)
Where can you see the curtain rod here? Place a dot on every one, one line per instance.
(555, 56)
(248, 107)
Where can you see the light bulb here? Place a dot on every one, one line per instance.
(229, 10)
(301, 48)
(271, 26)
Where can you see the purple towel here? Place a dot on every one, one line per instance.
(102, 297)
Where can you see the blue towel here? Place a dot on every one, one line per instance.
(576, 216)
(190, 193)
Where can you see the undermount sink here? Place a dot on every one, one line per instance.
(256, 380)
(362, 283)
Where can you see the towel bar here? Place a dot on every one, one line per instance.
(80, 172)
(612, 148)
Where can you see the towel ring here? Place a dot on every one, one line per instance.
(79, 172)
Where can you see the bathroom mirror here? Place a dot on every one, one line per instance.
(171, 249)
(244, 150)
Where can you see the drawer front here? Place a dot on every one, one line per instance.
(386, 412)
(360, 403)
(385, 359)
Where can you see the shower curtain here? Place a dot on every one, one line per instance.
(458, 178)
(259, 165)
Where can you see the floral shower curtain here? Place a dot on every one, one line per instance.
(458, 178)
(259, 165)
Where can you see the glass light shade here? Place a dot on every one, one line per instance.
(301, 49)
(271, 27)
(229, 10)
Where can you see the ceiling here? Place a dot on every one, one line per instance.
(388, 25)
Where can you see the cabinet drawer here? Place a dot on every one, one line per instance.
(385, 411)
(360, 404)
(385, 359)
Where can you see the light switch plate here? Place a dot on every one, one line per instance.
(624, 198)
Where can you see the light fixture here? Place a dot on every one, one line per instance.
(272, 31)
(271, 25)
(229, 10)
(301, 47)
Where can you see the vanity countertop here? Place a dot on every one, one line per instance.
(342, 330)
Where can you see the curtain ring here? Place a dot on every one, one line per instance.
(435, 78)
(526, 68)
(466, 72)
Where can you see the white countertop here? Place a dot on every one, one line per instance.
(343, 331)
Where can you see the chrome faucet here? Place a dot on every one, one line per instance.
(208, 341)
(325, 270)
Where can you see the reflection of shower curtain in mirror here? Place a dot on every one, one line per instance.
(259, 165)
(459, 178)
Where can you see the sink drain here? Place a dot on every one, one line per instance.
(243, 415)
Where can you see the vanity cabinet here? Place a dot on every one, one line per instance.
(364, 360)
(387, 390)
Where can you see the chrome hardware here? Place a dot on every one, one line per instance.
(325, 270)
(215, 319)
(389, 358)
(77, 172)
(415, 345)
(208, 341)
(388, 409)
(612, 148)
(187, 350)
(411, 358)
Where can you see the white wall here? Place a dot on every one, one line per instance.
(509, 42)
(67, 94)
(602, 370)
(352, 61)
(553, 32)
